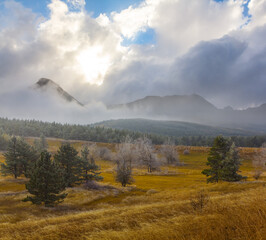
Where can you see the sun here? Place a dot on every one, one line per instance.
(94, 64)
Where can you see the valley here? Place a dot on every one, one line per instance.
(155, 206)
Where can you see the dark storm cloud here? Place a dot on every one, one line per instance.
(223, 70)
(226, 71)
(137, 80)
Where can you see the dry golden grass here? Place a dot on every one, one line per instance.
(157, 206)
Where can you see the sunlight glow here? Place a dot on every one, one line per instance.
(94, 64)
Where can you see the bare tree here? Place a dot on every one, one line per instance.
(124, 159)
(259, 162)
(102, 152)
(186, 152)
(170, 153)
(145, 154)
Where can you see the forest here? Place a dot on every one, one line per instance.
(33, 128)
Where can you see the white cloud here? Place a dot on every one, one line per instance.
(68, 47)
(132, 20)
(76, 50)
(180, 24)
(257, 9)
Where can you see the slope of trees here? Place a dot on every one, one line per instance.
(173, 128)
(32, 128)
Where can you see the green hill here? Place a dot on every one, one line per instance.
(173, 128)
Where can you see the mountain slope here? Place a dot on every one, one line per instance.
(173, 128)
(194, 108)
(183, 106)
(46, 84)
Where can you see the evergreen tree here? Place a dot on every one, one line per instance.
(12, 165)
(44, 144)
(41, 144)
(231, 165)
(223, 161)
(3, 142)
(67, 158)
(19, 158)
(90, 171)
(27, 156)
(46, 182)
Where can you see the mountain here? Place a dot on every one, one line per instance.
(192, 108)
(196, 109)
(46, 85)
(172, 128)
(183, 106)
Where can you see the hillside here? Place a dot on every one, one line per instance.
(196, 109)
(107, 132)
(173, 128)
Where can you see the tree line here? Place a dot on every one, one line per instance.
(33, 128)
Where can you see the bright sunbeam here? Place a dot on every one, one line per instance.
(94, 64)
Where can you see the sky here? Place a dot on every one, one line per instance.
(109, 52)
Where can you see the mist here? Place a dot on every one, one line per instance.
(195, 52)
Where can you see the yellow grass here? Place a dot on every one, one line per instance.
(157, 206)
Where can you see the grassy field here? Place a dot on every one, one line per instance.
(156, 206)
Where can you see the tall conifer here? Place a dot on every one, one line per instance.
(46, 182)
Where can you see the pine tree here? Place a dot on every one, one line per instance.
(46, 182)
(19, 158)
(90, 171)
(216, 156)
(27, 156)
(67, 158)
(231, 165)
(44, 144)
(41, 144)
(12, 165)
(223, 160)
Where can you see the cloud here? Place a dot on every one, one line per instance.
(202, 46)
(43, 106)
(179, 24)
(62, 47)
(257, 10)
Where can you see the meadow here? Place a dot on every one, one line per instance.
(156, 206)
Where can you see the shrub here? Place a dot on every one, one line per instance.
(199, 201)
(186, 152)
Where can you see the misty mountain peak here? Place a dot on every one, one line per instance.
(49, 85)
(44, 82)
